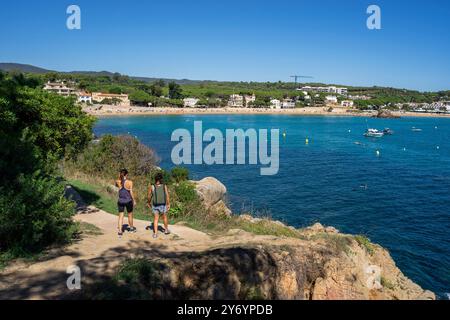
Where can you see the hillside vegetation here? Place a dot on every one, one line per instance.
(37, 130)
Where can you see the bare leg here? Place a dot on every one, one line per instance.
(120, 223)
(155, 223)
(130, 219)
(166, 222)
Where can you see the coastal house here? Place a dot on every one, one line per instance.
(288, 104)
(248, 99)
(190, 102)
(236, 101)
(121, 99)
(60, 88)
(331, 99)
(329, 89)
(347, 103)
(275, 104)
(84, 97)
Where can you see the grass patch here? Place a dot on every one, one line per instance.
(364, 242)
(267, 227)
(9, 256)
(99, 197)
(89, 229)
(136, 279)
(338, 242)
(386, 283)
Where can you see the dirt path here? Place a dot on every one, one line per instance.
(99, 255)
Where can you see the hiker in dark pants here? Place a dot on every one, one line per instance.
(126, 200)
(159, 201)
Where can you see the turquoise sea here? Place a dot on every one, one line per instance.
(399, 199)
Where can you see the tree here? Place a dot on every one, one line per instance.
(38, 129)
(175, 91)
(140, 97)
(116, 90)
(156, 90)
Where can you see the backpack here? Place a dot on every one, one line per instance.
(158, 195)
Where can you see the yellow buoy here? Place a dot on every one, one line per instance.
(378, 153)
(306, 141)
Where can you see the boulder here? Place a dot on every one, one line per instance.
(220, 208)
(210, 190)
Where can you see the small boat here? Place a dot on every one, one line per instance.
(388, 131)
(373, 133)
(416, 129)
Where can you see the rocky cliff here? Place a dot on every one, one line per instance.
(318, 263)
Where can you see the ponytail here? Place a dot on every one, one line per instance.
(122, 175)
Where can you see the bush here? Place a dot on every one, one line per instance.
(179, 174)
(34, 215)
(38, 129)
(112, 153)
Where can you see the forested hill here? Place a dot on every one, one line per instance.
(26, 68)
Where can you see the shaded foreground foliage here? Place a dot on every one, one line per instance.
(38, 129)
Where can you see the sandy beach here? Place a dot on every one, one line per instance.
(108, 110)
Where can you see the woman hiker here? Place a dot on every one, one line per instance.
(126, 200)
(159, 202)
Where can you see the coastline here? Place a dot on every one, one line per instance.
(106, 110)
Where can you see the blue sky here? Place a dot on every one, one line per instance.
(237, 40)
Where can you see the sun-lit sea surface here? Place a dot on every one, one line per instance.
(400, 199)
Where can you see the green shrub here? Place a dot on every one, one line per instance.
(179, 174)
(365, 243)
(106, 157)
(37, 130)
(34, 215)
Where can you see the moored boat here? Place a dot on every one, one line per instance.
(374, 133)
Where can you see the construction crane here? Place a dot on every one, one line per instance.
(298, 77)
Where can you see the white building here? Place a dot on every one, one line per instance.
(347, 103)
(331, 99)
(190, 102)
(121, 99)
(236, 101)
(330, 89)
(60, 88)
(275, 104)
(84, 97)
(288, 104)
(248, 99)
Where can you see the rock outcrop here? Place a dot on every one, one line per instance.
(323, 265)
(383, 113)
(212, 193)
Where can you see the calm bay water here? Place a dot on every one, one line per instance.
(400, 199)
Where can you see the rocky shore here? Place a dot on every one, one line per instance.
(322, 264)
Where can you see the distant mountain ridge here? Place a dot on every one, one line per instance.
(27, 68)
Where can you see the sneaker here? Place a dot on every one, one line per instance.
(167, 231)
(132, 229)
(120, 234)
(155, 235)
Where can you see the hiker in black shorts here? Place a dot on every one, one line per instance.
(126, 200)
